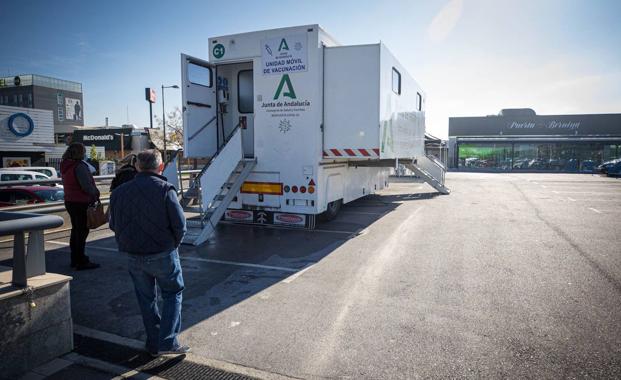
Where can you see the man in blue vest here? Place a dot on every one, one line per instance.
(149, 224)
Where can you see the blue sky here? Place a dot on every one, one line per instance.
(472, 57)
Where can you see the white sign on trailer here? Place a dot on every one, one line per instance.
(283, 55)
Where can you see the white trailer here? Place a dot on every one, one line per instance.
(296, 125)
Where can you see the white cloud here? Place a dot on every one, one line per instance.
(444, 22)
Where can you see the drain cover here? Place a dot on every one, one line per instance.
(173, 367)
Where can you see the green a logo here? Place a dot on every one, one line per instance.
(290, 93)
(283, 45)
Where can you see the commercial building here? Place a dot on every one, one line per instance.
(26, 136)
(115, 142)
(62, 97)
(521, 140)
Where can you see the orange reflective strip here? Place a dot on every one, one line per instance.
(262, 188)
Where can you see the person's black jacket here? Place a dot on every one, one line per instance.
(125, 174)
(146, 216)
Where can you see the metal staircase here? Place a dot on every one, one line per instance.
(214, 189)
(430, 170)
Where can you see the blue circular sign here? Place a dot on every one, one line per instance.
(21, 130)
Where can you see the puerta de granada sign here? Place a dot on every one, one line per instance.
(284, 55)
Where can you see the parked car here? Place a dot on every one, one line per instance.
(603, 168)
(7, 174)
(47, 170)
(614, 170)
(22, 195)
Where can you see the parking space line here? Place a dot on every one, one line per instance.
(290, 279)
(235, 263)
(277, 227)
(213, 261)
(57, 242)
(571, 199)
(362, 212)
(583, 192)
(595, 210)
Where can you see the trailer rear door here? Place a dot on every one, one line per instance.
(200, 122)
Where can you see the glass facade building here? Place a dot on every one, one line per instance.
(64, 98)
(521, 141)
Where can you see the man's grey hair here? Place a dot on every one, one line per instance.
(149, 160)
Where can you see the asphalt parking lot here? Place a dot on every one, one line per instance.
(512, 275)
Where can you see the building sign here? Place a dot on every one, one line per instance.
(15, 162)
(286, 54)
(544, 125)
(149, 94)
(20, 124)
(285, 109)
(73, 109)
(108, 138)
(551, 125)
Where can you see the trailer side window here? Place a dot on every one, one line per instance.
(199, 75)
(419, 102)
(245, 103)
(396, 81)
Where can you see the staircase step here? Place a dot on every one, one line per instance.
(193, 224)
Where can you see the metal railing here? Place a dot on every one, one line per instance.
(432, 166)
(28, 257)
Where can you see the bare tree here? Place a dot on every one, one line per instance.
(174, 126)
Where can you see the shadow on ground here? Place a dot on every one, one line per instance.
(241, 262)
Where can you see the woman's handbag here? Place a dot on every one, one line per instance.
(95, 216)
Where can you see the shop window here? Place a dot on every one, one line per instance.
(484, 157)
(396, 81)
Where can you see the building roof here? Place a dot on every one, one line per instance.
(41, 81)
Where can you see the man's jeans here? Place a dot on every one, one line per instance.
(164, 270)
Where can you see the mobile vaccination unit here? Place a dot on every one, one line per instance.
(295, 125)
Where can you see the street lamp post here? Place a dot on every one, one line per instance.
(164, 118)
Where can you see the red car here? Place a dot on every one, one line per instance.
(22, 195)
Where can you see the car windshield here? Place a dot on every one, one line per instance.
(51, 195)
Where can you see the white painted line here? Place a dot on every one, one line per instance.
(571, 199)
(57, 242)
(127, 373)
(544, 186)
(535, 183)
(584, 192)
(107, 337)
(283, 227)
(334, 231)
(362, 212)
(120, 371)
(213, 261)
(290, 279)
(249, 265)
(595, 210)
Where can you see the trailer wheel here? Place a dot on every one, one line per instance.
(332, 210)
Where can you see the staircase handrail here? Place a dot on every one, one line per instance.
(202, 128)
(436, 160)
